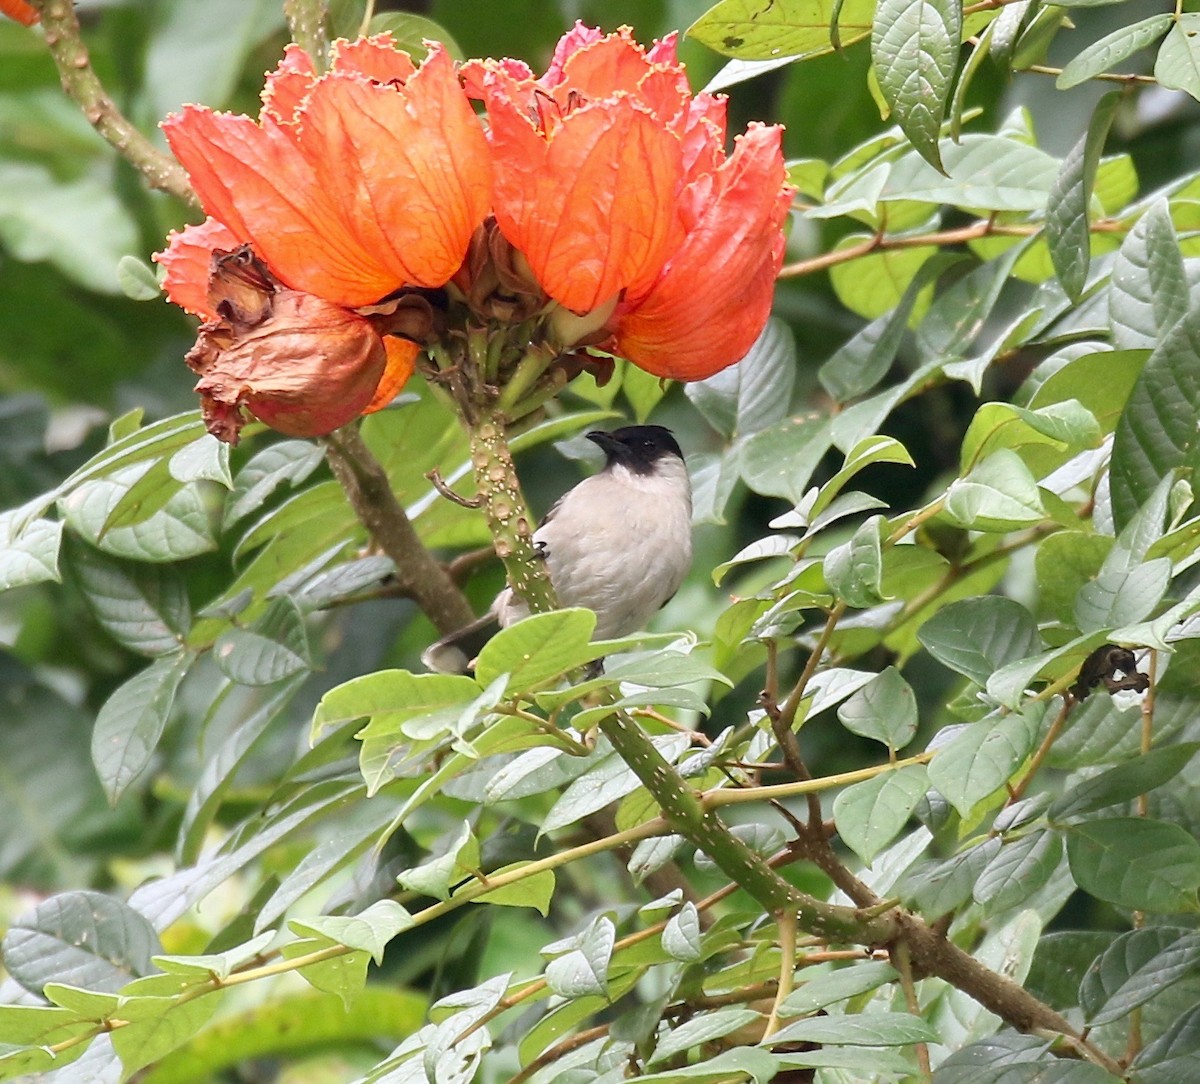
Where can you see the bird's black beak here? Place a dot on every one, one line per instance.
(606, 440)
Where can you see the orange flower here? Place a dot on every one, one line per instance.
(20, 11)
(352, 184)
(611, 179)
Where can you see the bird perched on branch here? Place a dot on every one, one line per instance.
(619, 543)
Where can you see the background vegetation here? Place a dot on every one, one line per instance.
(949, 694)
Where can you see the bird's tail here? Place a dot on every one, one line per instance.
(455, 653)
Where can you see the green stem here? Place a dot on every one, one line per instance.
(306, 21)
(507, 513)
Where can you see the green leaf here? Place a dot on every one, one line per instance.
(1148, 290)
(977, 636)
(137, 279)
(983, 756)
(182, 527)
(765, 29)
(643, 391)
(1064, 562)
(875, 284)
(938, 888)
(780, 460)
(412, 31)
(854, 570)
(157, 1025)
(583, 969)
(1068, 233)
(835, 986)
(1157, 431)
(1100, 382)
(393, 695)
(85, 938)
(289, 462)
(1116, 598)
(1018, 871)
(435, 877)
(1178, 63)
(989, 172)
(1137, 966)
(868, 451)
(220, 964)
(536, 890)
(1123, 783)
(132, 721)
(757, 391)
(271, 649)
(292, 1026)
(1111, 49)
(78, 225)
(369, 931)
(870, 814)
(957, 318)
(1136, 862)
(999, 494)
(864, 360)
(1171, 1058)
(143, 607)
(222, 764)
(28, 550)
(885, 710)
(873, 1029)
(914, 49)
(700, 1030)
(538, 649)
(681, 936)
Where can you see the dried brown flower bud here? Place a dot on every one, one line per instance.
(302, 365)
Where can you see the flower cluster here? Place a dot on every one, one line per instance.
(596, 205)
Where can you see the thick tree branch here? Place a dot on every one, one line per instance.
(83, 87)
(418, 575)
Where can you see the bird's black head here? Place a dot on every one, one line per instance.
(636, 447)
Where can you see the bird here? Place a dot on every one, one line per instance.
(619, 544)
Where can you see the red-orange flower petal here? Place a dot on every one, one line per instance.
(187, 262)
(590, 206)
(714, 296)
(287, 86)
(374, 186)
(401, 361)
(406, 171)
(22, 12)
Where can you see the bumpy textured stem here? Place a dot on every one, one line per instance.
(306, 21)
(507, 514)
(85, 89)
(418, 575)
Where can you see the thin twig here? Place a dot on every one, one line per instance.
(84, 88)
(439, 483)
(787, 969)
(1043, 750)
(902, 961)
(956, 236)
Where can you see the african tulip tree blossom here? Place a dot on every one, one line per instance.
(349, 187)
(612, 180)
(352, 184)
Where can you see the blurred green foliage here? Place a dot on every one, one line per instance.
(175, 613)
